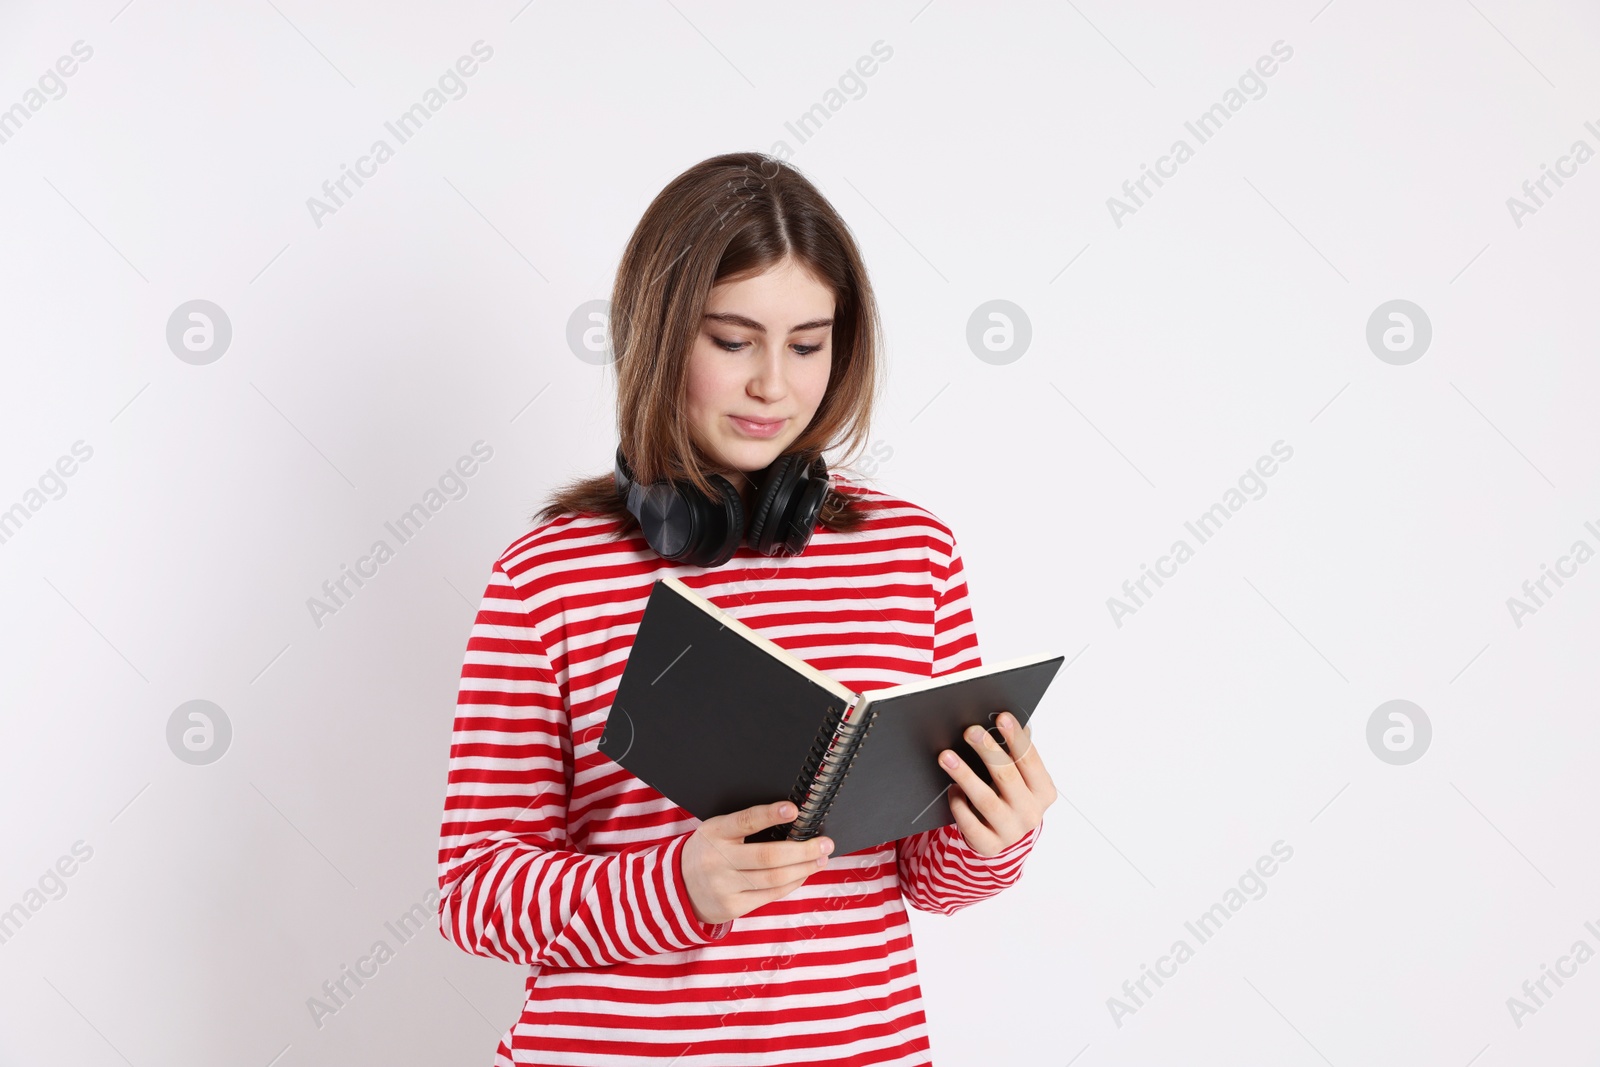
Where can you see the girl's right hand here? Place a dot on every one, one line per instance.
(728, 877)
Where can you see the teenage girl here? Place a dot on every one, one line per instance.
(745, 337)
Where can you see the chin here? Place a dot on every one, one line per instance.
(748, 455)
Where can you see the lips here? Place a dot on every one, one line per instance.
(757, 427)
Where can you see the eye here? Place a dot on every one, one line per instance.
(734, 346)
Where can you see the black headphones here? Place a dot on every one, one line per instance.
(682, 525)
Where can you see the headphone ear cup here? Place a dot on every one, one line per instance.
(807, 512)
(720, 525)
(663, 513)
(666, 518)
(803, 516)
(766, 516)
(794, 495)
(679, 522)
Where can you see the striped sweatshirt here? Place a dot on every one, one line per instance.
(554, 857)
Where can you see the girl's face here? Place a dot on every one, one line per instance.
(763, 353)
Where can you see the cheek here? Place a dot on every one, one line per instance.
(816, 385)
(704, 387)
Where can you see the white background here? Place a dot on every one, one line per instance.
(1168, 353)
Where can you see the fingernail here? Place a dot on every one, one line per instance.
(786, 811)
(948, 759)
(827, 847)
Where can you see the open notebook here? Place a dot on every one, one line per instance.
(716, 718)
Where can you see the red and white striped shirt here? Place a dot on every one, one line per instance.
(553, 856)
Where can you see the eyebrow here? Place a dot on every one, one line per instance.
(751, 324)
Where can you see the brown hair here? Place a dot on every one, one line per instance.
(724, 219)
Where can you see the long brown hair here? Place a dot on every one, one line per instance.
(726, 218)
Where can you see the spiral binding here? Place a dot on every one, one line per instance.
(830, 759)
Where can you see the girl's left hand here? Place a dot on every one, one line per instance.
(993, 822)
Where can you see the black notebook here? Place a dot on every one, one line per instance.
(717, 718)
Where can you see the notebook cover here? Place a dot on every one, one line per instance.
(709, 719)
(896, 787)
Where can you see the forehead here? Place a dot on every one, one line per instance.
(785, 286)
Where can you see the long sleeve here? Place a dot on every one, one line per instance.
(511, 886)
(939, 871)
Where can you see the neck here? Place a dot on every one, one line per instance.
(744, 481)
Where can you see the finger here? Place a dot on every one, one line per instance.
(1008, 781)
(1007, 812)
(774, 854)
(1019, 740)
(768, 895)
(773, 877)
(741, 824)
(979, 835)
(975, 789)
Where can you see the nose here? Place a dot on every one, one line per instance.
(767, 376)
